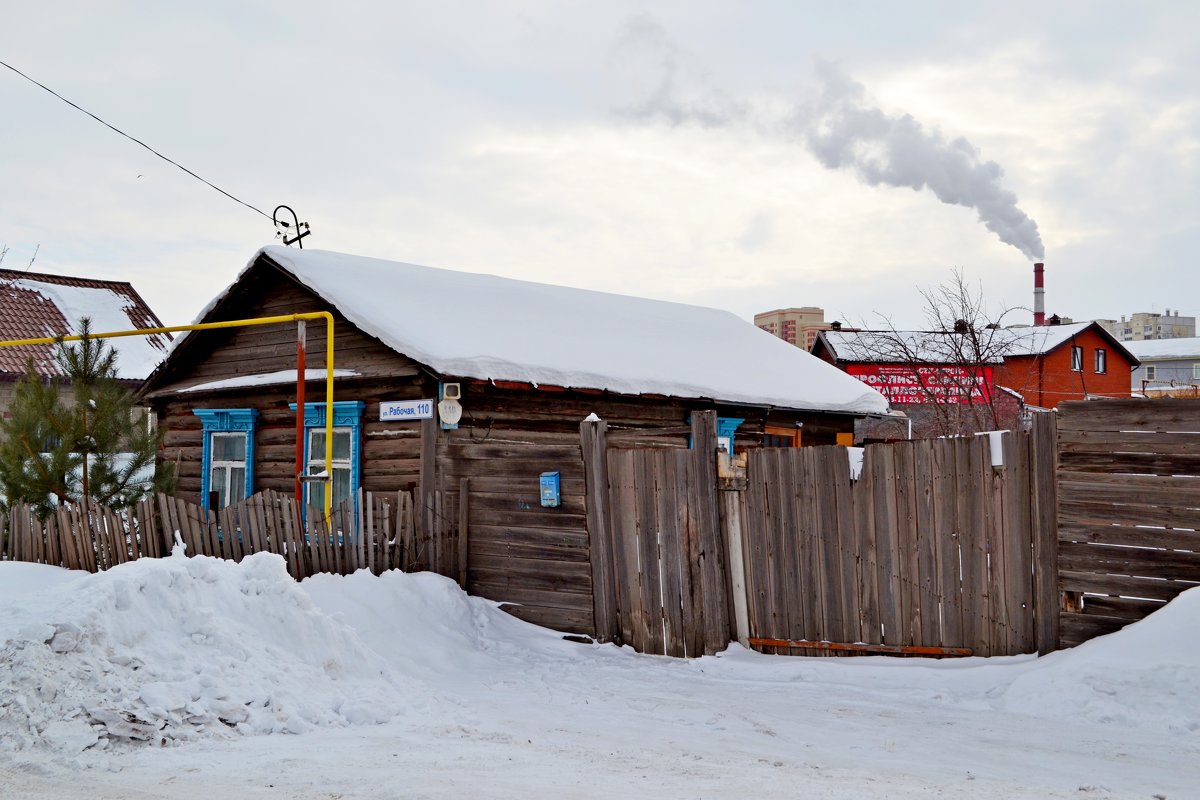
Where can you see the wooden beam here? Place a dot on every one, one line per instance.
(858, 647)
(464, 513)
(428, 477)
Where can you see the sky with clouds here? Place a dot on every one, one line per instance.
(745, 155)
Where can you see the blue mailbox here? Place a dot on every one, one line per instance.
(551, 492)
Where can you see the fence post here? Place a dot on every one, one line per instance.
(593, 440)
(464, 511)
(714, 588)
(731, 525)
(1044, 487)
(427, 522)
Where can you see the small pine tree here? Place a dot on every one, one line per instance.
(97, 446)
(34, 468)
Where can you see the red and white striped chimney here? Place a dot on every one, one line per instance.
(1039, 294)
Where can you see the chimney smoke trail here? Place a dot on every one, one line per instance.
(844, 132)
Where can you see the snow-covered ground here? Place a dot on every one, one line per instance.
(200, 678)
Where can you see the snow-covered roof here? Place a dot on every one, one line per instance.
(941, 347)
(267, 379)
(35, 305)
(1040, 339)
(492, 328)
(1165, 349)
(901, 347)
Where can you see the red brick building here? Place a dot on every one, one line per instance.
(1052, 363)
(953, 383)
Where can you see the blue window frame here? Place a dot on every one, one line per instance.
(726, 426)
(346, 472)
(227, 460)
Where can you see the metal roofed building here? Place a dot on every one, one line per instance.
(35, 305)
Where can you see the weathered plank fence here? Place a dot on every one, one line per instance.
(85, 536)
(1129, 510)
(930, 549)
(658, 564)
(1081, 531)
(370, 531)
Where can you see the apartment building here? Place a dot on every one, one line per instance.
(1149, 325)
(798, 326)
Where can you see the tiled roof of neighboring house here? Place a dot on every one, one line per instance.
(1165, 349)
(34, 305)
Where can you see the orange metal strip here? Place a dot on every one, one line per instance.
(887, 649)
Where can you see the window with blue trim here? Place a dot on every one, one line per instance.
(227, 461)
(346, 467)
(726, 426)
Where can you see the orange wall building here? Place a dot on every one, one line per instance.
(1045, 364)
(1067, 362)
(798, 326)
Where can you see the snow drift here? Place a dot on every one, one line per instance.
(179, 649)
(175, 649)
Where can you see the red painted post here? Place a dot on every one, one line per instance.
(300, 376)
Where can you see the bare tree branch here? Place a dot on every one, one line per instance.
(948, 366)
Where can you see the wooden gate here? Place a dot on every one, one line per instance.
(932, 548)
(658, 562)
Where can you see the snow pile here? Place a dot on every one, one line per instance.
(427, 626)
(179, 649)
(1145, 675)
(176, 649)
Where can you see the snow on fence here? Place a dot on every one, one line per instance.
(370, 531)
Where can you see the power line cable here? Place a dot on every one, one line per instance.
(136, 141)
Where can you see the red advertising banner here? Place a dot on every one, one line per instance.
(903, 384)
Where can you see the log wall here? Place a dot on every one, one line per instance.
(535, 559)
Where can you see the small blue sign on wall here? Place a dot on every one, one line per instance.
(551, 493)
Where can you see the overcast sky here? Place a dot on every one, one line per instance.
(745, 155)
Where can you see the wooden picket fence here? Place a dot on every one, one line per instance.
(370, 531)
(83, 536)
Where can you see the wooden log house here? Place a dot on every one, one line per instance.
(529, 362)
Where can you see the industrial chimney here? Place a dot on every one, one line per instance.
(1039, 294)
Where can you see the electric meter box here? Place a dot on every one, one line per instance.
(551, 491)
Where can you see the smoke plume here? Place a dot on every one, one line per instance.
(684, 92)
(838, 125)
(843, 132)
